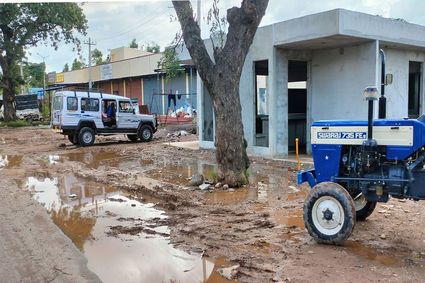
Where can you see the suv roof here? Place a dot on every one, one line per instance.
(91, 94)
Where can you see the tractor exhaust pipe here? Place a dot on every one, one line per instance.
(382, 100)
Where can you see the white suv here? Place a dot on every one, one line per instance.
(81, 115)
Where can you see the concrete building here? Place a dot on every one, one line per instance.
(133, 73)
(316, 67)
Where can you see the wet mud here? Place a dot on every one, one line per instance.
(129, 209)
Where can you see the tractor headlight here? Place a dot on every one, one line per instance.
(370, 93)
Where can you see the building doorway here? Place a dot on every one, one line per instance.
(297, 105)
(415, 87)
(261, 69)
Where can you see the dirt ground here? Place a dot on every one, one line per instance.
(258, 228)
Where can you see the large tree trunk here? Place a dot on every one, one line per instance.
(9, 89)
(230, 144)
(221, 78)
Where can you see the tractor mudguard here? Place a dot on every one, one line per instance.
(307, 176)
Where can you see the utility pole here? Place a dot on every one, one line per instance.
(90, 43)
(44, 71)
(44, 80)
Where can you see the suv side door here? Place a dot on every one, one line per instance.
(126, 117)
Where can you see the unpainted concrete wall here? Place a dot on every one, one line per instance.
(397, 63)
(338, 78)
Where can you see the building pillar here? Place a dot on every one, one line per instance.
(123, 81)
(163, 96)
(142, 91)
(278, 128)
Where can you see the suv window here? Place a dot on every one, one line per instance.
(57, 103)
(89, 104)
(72, 103)
(125, 106)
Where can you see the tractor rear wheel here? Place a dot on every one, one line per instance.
(329, 213)
(364, 208)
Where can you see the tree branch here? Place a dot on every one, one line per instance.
(243, 24)
(193, 40)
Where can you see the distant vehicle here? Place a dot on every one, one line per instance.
(27, 107)
(81, 115)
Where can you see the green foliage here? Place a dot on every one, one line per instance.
(97, 57)
(170, 64)
(133, 44)
(153, 47)
(66, 68)
(24, 25)
(33, 74)
(78, 64)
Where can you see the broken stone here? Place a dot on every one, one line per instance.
(72, 196)
(231, 190)
(197, 180)
(218, 185)
(383, 236)
(225, 187)
(229, 272)
(204, 187)
(310, 252)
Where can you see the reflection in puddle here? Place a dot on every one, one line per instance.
(85, 212)
(181, 174)
(10, 161)
(370, 253)
(102, 158)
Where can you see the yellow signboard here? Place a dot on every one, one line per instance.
(60, 78)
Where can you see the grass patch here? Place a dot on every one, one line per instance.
(211, 175)
(22, 123)
(15, 124)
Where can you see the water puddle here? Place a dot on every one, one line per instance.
(370, 253)
(292, 218)
(123, 239)
(181, 174)
(101, 159)
(10, 161)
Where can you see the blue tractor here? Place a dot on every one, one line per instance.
(360, 163)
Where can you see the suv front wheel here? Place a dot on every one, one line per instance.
(145, 133)
(86, 136)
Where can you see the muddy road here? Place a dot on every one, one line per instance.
(123, 212)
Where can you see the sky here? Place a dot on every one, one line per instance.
(115, 24)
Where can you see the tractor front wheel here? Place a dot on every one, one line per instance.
(329, 213)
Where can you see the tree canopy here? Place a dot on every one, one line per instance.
(153, 47)
(78, 64)
(97, 57)
(24, 25)
(170, 64)
(33, 74)
(133, 44)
